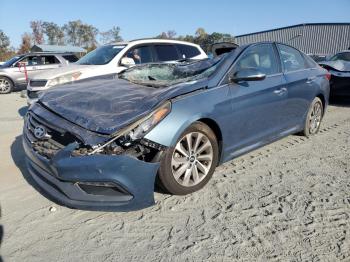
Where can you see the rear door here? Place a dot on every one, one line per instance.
(258, 107)
(301, 80)
(44, 63)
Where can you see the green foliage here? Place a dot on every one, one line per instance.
(37, 28)
(112, 35)
(4, 41)
(201, 37)
(80, 34)
(54, 33)
(5, 51)
(170, 34)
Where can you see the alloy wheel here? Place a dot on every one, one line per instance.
(5, 86)
(315, 118)
(192, 159)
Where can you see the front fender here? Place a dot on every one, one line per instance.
(211, 103)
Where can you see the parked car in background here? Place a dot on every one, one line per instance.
(103, 144)
(339, 68)
(222, 48)
(318, 58)
(113, 58)
(13, 72)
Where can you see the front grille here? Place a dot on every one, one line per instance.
(33, 94)
(37, 83)
(54, 139)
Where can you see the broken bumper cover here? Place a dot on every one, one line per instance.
(96, 182)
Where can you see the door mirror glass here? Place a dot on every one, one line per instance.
(248, 74)
(127, 62)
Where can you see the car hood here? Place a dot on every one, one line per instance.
(339, 65)
(106, 106)
(50, 74)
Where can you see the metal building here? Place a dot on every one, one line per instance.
(313, 38)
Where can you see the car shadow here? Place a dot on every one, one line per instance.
(340, 102)
(18, 156)
(22, 111)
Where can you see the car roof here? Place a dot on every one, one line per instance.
(50, 53)
(152, 40)
(344, 51)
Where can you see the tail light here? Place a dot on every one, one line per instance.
(328, 76)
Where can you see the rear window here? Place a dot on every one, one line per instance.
(187, 51)
(166, 53)
(70, 58)
(341, 56)
(292, 59)
(310, 63)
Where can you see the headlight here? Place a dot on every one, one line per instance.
(63, 79)
(147, 124)
(140, 128)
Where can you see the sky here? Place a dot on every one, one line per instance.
(141, 18)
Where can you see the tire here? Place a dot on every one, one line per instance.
(6, 85)
(313, 118)
(182, 172)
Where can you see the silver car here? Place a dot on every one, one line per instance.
(15, 72)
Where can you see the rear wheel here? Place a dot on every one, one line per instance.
(189, 165)
(314, 118)
(6, 85)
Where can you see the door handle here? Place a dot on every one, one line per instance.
(310, 79)
(280, 91)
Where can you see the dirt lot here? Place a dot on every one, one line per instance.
(288, 201)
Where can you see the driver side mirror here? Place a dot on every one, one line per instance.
(127, 62)
(248, 74)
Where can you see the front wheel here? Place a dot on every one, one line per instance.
(6, 85)
(189, 165)
(314, 118)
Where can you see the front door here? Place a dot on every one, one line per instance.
(258, 107)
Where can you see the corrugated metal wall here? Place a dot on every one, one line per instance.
(310, 38)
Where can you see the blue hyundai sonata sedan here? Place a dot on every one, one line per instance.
(104, 143)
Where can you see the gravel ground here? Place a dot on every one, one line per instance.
(288, 201)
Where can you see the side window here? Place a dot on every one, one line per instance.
(166, 53)
(140, 54)
(310, 63)
(31, 61)
(188, 51)
(261, 57)
(292, 59)
(70, 58)
(49, 60)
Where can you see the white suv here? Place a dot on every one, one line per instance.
(113, 58)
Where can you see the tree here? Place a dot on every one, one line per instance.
(6, 52)
(170, 34)
(112, 35)
(4, 42)
(71, 30)
(26, 43)
(79, 34)
(54, 33)
(37, 28)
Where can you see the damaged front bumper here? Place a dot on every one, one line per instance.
(94, 182)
